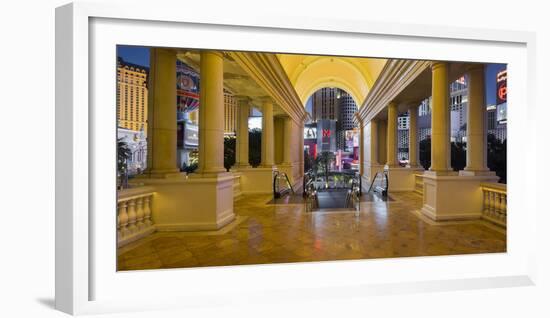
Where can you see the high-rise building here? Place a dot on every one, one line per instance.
(494, 127)
(230, 107)
(325, 104)
(346, 111)
(131, 96)
(403, 136)
(458, 105)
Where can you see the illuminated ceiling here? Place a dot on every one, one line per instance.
(309, 73)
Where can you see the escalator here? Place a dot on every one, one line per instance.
(281, 185)
(338, 190)
(342, 191)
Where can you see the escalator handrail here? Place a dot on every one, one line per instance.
(386, 179)
(275, 183)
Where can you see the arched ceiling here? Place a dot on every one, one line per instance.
(309, 73)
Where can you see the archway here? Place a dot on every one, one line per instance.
(332, 129)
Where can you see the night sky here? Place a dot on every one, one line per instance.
(140, 55)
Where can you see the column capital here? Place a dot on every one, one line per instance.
(437, 64)
(413, 106)
(266, 99)
(392, 104)
(243, 99)
(213, 52)
(475, 67)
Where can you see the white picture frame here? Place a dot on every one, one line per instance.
(87, 281)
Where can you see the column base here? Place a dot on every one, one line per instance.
(240, 166)
(470, 172)
(401, 179)
(453, 197)
(168, 173)
(193, 203)
(257, 180)
(447, 172)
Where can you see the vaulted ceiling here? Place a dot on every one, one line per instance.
(309, 73)
(290, 79)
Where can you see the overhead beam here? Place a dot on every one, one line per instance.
(269, 74)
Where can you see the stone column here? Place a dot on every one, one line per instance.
(476, 132)
(301, 144)
(440, 119)
(413, 136)
(374, 142)
(287, 141)
(162, 101)
(211, 113)
(361, 143)
(241, 160)
(267, 134)
(391, 141)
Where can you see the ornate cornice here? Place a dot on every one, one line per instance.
(394, 78)
(269, 74)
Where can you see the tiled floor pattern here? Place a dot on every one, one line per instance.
(265, 233)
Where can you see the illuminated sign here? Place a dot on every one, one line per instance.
(502, 88)
(310, 132)
(326, 141)
(188, 135)
(352, 139)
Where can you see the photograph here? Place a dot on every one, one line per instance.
(236, 158)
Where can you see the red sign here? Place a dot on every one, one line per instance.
(326, 132)
(502, 88)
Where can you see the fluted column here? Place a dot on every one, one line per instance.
(267, 134)
(476, 132)
(440, 149)
(287, 141)
(242, 132)
(413, 136)
(392, 136)
(162, 100)
(211, 113)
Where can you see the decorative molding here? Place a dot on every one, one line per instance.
(394, 78)
(268, 72)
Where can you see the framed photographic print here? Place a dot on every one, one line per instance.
(200, 159)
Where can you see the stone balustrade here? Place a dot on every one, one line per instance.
(134, 214)
(494, 203)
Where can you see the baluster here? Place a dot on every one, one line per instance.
(118, 231)
(500, 199)
(147, 211)
(486, 202)
(123, 219)
(132, 216)
(504, 206)
(493, 203)
(139, 214)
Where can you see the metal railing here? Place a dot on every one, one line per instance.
(380, 183)
(279, 191)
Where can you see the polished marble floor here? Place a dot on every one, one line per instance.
(283, 233)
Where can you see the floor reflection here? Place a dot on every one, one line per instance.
(275, 233)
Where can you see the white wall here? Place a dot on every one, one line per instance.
(27, 31)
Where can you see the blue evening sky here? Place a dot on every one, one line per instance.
(140, 55)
